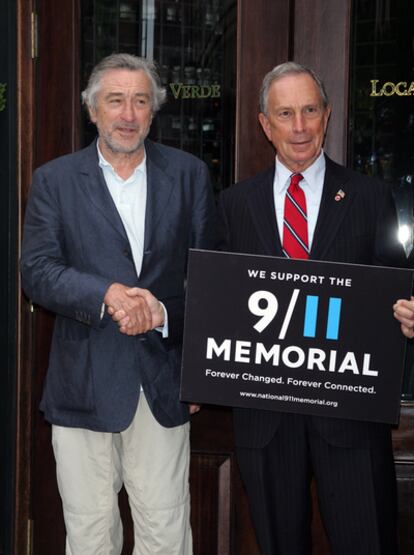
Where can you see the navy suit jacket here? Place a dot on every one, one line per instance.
(74, 247)
(360, 229)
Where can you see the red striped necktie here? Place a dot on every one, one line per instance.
(295, 221)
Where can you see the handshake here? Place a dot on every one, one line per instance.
(135, 310)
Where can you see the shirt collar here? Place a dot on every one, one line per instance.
(103, 163)
(313, 176)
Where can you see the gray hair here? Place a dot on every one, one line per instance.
(288, 68)
(132, 63)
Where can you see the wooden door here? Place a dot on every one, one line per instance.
(322, 35)
(49, 116)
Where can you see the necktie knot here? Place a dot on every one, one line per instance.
(294, 180)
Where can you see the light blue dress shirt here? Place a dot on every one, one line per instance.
(312, 186)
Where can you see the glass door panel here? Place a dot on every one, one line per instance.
(381, 136)
(193, 44)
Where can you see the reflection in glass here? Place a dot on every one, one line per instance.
(193, 43)
(381, 139)
(403, 195)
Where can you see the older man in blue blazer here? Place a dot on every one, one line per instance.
(106, 236)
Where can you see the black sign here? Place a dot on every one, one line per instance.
(294, 335)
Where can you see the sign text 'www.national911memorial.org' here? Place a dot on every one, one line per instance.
(294, 335)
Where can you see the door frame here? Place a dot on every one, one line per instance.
(8, 285)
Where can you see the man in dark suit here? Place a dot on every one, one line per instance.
(106, 236)
(307, 206)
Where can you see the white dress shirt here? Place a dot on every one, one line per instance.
(130, 198)
(312, 186)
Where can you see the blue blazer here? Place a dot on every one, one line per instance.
(74, 247)
(360, 229)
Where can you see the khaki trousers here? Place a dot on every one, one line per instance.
(153, 464)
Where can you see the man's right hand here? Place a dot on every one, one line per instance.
(133, 309)
(404, 313)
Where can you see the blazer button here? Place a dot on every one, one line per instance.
(126, 253)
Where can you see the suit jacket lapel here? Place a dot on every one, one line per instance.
(262, 210)
(332, 209)
(94, 184)
(159, 190)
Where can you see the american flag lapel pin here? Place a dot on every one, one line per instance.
(339, 195)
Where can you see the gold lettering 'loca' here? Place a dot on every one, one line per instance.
(181, 90)
(403, 88)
